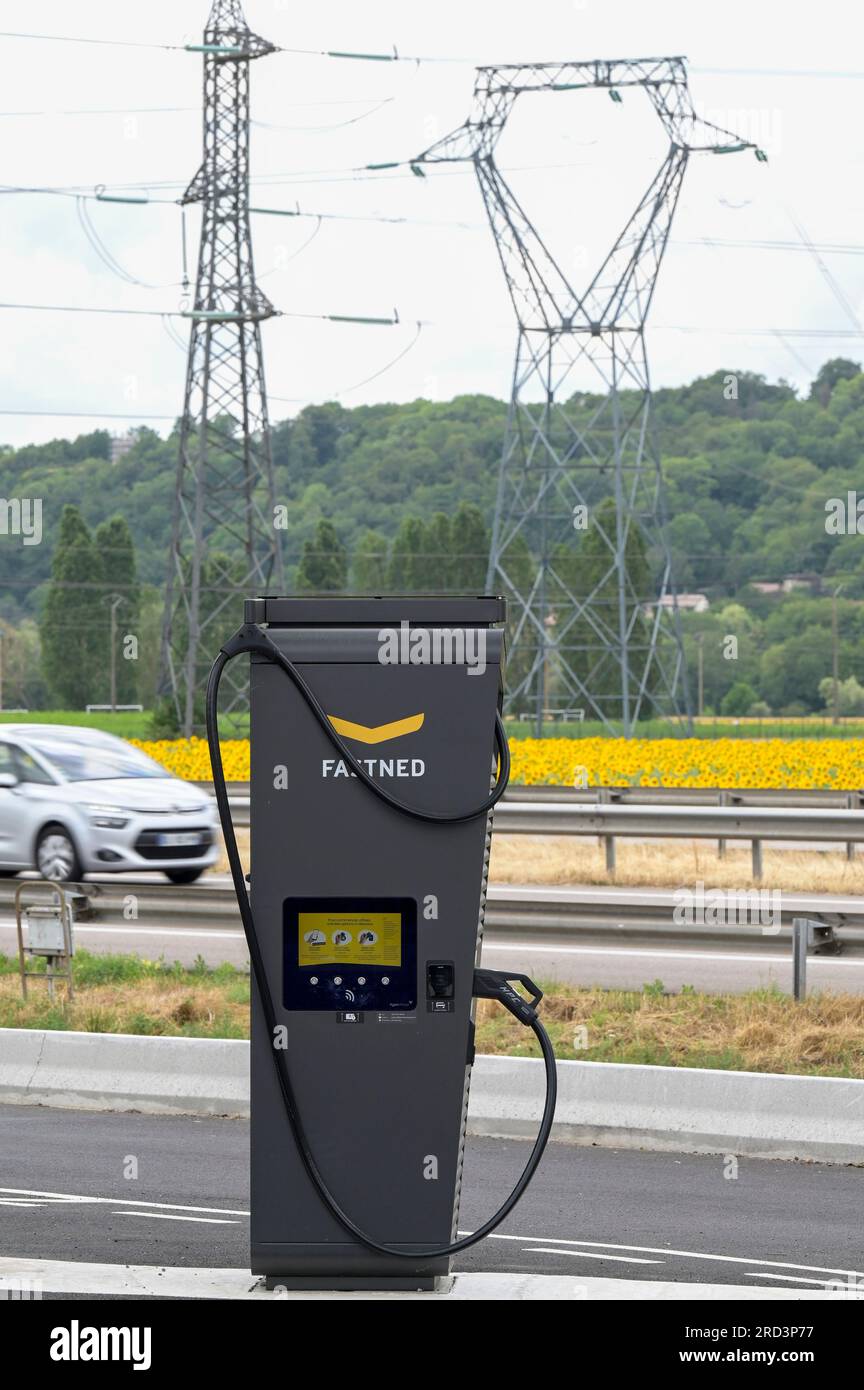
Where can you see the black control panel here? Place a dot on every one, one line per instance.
(349, 955)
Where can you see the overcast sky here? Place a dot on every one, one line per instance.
(579, 163)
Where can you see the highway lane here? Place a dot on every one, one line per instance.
(591, 1212)
(578, 958)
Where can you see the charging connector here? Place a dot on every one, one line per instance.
(495, 984)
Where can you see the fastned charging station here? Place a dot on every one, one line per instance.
(377, 754)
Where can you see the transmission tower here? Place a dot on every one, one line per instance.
(578, 540)
(224, 501)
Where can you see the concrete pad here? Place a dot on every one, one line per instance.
(22, 1278)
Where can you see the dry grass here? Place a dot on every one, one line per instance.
(221, 865)
(666, 864)
(566, 859)
(761, 1031)
(124, 994)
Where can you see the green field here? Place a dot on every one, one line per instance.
(124, 724)
(137, 725)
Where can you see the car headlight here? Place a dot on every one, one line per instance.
(107, 817)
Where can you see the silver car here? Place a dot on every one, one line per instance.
(76, 801)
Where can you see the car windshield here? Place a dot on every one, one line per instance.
(79, 763)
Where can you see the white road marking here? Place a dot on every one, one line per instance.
(134, 930)
(590, 1255)
(115, 1201)
(755, 958)
(171, 1216)
(666, 1250)
(789, 1278)
(35, 1202)
(555, 1241)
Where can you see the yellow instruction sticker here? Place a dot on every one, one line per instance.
(349, 938)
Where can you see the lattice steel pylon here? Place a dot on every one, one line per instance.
(224, 501)
(594, 618)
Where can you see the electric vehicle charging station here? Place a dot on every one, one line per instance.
(372, 772)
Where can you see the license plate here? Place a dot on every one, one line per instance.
(178, 837)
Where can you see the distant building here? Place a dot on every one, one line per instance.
(801, 581)
(789, 584)
(121, 444)
(689, 603)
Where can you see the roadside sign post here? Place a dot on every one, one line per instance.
(45, 929)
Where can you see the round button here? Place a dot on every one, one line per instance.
(337, 979)
(313, 979)
(361, 979)
(385, 979)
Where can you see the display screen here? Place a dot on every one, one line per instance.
(353, 956)
(349, 938)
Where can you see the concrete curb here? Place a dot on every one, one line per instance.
(681, 1109)
(120, 1071)
(607, 1103)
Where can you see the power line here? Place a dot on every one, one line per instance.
(383, 321)
(108, 43)
(107, 257)
(392, 57)
(87, 414)
(324, 129)
(91, 309)
(96, 111)
(360, 173)
(364, 319)
(299, 252)
(163, 110)
(835, 248)
(829, 333)
(781, 72)
(295, 400)
(835, 288)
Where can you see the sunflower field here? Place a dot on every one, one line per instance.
(611, 762)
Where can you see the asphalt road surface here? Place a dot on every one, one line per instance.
(590, 960)
(590, 1212)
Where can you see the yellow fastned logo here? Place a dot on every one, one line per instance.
(379, 733)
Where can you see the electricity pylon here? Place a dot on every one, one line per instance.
(578, 540)
(224, 501)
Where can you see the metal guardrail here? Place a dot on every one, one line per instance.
(721, 823)
(690, 814)
(816, 797)
(532, 910)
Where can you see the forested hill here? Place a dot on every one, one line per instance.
(749, 468)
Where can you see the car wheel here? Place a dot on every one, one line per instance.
(56, 855)
(183, 875)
